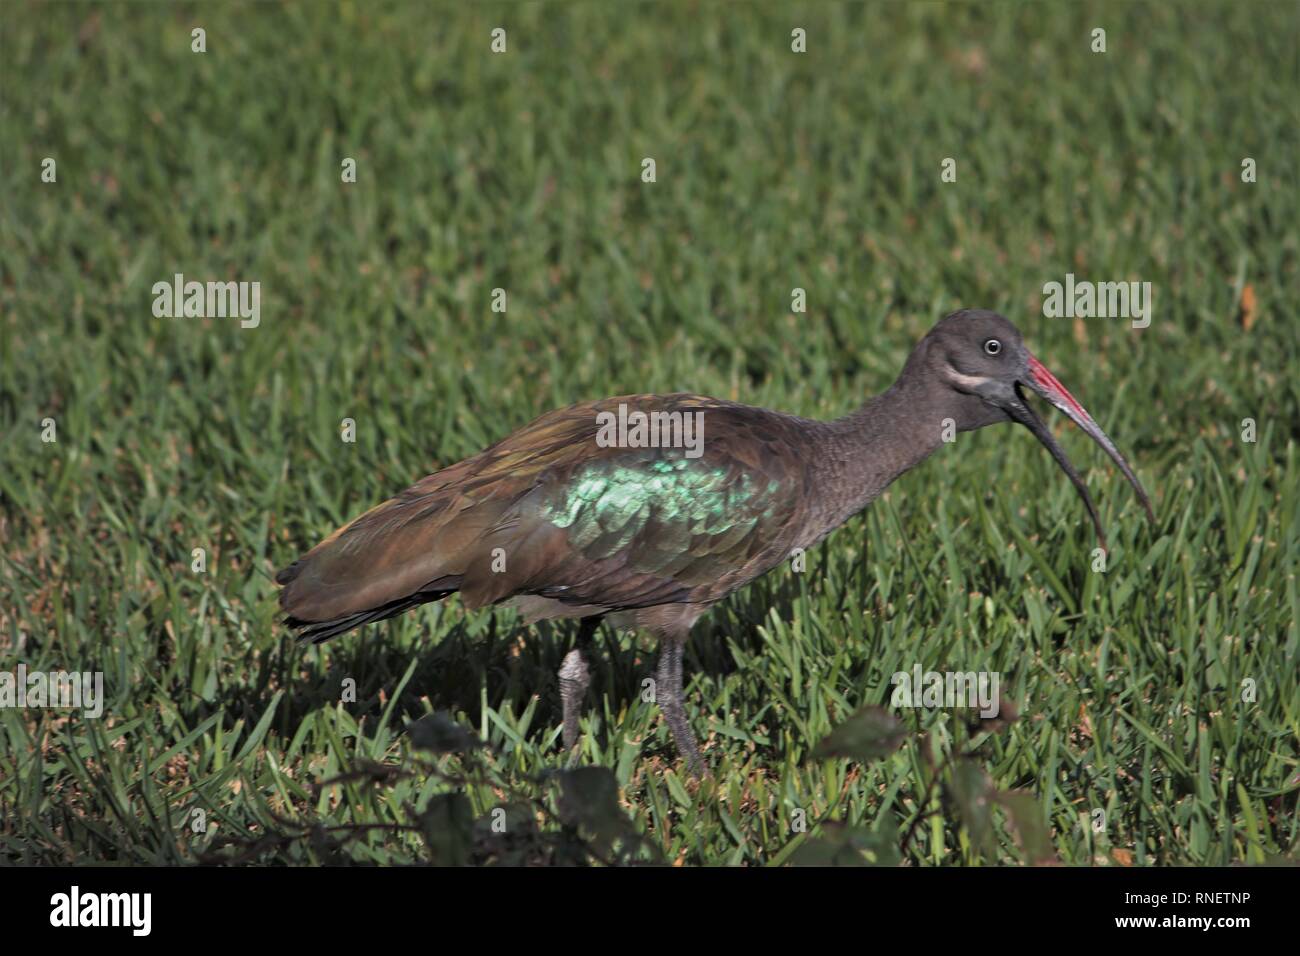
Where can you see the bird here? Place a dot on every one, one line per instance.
(590, 513)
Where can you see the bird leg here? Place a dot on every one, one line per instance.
(575, 678)
(668, 691)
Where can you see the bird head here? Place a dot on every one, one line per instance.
(981, 357)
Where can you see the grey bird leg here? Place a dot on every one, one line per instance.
(668, 691)
(575, 678)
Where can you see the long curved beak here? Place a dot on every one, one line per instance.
(1045, 384)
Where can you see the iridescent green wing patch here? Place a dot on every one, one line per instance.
(666, 513)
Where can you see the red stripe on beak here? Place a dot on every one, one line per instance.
(1045, 384)
(1048, 383)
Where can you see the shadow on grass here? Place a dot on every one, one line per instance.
(505, 667)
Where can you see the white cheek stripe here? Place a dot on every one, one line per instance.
(971, 382)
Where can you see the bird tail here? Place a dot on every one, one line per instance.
(369, 570)
(444, 534)
(318, 632)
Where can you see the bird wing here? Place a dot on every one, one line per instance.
(555, 511)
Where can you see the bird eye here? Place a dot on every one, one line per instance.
(993, 346)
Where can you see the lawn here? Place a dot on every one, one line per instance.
(1157, 703)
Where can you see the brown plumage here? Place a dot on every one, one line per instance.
(560, 523)
(442, 534)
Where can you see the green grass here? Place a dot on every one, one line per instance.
(521, 171)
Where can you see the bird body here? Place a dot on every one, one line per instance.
(559, 521)
(548, 514)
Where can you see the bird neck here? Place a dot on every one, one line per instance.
(857, 456)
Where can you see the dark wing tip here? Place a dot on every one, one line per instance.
(317, 632)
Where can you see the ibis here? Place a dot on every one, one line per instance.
(571, 517)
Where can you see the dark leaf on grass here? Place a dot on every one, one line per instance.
(973, 794)
(1026, 817)
(508, 834)
(870, 734)
(448, 825)
(439, 733)
(510, 819)
(589, 799)
(840, 845)
(1007, 714)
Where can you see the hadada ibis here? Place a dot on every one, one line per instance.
(558, 523)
